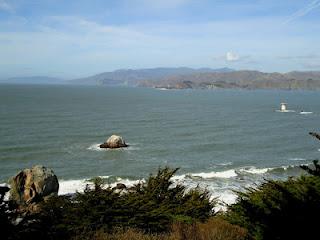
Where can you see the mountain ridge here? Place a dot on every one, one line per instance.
(131, 77)
(185, 78)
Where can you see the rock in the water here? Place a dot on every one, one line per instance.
(314, 134)
(114, 141)
(33, 185)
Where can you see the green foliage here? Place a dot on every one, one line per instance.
(279, 209)
(151, 207)
(315, 171)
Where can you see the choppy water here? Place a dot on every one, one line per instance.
(222, 140)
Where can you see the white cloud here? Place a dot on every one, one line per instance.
(303, 11)
(232, 57)
(5, 6)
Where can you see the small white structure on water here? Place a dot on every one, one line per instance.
(283, 108)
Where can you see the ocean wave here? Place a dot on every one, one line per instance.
(297, 159)
(224, 197)
(73, 186)
(222, 187)
(254, 170)
(240, 172)
(223, 174)
(225, 164)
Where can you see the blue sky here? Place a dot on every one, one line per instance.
(75, 38)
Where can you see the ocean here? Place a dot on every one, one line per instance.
(222, 140)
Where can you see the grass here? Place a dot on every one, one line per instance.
(214, 229)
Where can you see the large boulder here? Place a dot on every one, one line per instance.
(114, 141)
(33, 185)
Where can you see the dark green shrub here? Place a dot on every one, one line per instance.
(279, 209)
(315, 170)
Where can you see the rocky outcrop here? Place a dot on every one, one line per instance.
(314, 134)
(114, 141)
(33, 185)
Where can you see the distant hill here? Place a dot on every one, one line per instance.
(239, 79)
(129, 77)
(33, 80)
(184, 78)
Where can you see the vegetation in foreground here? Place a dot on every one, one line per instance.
(158, 209)
(280, 209)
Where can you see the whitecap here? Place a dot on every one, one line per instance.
(225, 164)
(288, 167)
(297, 159)
(223, 174)
(224, 197)
(72, 186)
(254, 170)
(104, 177)
(129, 183)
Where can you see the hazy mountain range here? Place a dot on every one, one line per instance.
(129, 77)
(204, 78)
(183, 78)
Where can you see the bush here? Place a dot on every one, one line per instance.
(150, 207)
(279, 209)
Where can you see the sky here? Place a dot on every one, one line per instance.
(78, 38)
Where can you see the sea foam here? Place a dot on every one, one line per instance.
(223, 174)
(95, 147)
(297, 159)
(73, 186)
(254, 170)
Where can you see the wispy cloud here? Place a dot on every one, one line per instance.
(303, 11)
(4, 6)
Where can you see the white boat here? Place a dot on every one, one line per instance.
(283, 108)
(303, 112)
